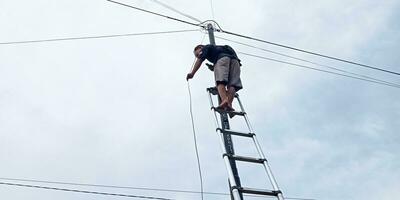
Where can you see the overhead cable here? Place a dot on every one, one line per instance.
(175, 10)
(111, 186)
(212, 9)
(219, 29)
(126, 187)
(316, 69)
(82, 191)
(95, 37)
(307, 61)
(154, 13)
(310, 52)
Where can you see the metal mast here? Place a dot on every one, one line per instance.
(228, 144)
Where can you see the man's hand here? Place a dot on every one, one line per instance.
(189, 76)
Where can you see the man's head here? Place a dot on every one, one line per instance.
(197, 50)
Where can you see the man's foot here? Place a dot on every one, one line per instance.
(224, 104)
(229, 108)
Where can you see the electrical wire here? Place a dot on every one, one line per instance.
(129, 187)
(307, 61)
(195, 141)
(316, 69)
(212, 9)
(175, 10)
(113, 186)
(310, 52)
(81, 191)
(154, 13)
(96, 37)
(194, 129)
(219, 29)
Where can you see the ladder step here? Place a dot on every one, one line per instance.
(214, 91)
(259, 191)
(246, 159)
(235, 133)
(230, 113)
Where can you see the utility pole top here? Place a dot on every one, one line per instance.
(210, 29)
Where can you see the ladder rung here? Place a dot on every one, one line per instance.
(214, 91)
(230, 113)
(236, 133)
(246, 159)
(258, 191)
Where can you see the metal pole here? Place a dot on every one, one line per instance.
(235, 193)
(210, 30)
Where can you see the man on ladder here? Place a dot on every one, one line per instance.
(226, 67)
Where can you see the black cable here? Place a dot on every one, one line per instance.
(309, 52)
(311, 62)
(128, 187)
(113, 186)
(82, 191)
(154, 13)
(175, 10)
(320, 70)
(260, 40)
(95, 37)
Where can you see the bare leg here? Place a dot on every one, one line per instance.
(231, 94)
(223, 94)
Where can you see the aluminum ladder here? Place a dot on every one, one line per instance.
(230, 159)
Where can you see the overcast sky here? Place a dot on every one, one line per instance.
(115, 111)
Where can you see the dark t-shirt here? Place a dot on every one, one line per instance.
(214, 52)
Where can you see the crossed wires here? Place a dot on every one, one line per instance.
(219, 29)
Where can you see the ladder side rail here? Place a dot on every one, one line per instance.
(215, 114)
(235, 192)
(231, 177)
(266, 165)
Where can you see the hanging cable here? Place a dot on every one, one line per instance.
(175, 10)
(96, 37)
(307, 61)
(194, 129)
(320, 70)
(81, 191)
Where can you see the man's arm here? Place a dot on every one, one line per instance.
(196, 67)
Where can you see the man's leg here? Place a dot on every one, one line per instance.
(231, 94)
(223, 95)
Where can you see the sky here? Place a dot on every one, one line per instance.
(115, 111)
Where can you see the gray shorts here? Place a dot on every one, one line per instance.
(227, 72)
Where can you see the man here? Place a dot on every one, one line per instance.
(226, 71)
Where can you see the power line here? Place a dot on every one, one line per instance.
(261, 40)
(175, 10)
(130, 187)
(311, 62)
(310, 52)
(316, 69)
(154, 13)
(82, 191)
(112, 186)
(212, 9)
(95, 37)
